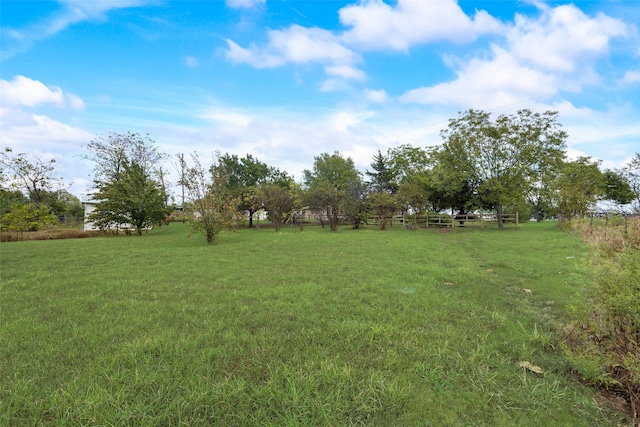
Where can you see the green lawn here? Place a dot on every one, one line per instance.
(359, 327)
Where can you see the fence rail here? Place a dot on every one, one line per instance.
(443, 220)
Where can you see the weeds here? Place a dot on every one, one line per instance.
(606, 348)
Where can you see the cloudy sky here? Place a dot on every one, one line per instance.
(288, 80)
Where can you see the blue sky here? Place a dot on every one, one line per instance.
(288, 80)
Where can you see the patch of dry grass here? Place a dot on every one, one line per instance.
(49, 234)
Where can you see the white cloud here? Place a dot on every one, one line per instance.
(23, 91)
(344, 71)
(377, 96)
(82, 9)
(225, 116)
(631, 77)
(296, 44)
(191, 61)
(378, 25)
(542, 56)
(563, 37)
(244, 4)
(342, 121)
(333, 85)
(487, 84)
(72, 12)
(25, 132)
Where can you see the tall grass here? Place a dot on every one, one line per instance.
(605, 350)
(359, 327)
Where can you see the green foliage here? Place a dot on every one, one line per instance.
(278, 201)
(112, 153)
(578, 187)
(329, 185)
(497, 159)
(245, 176)
(383, 178)
(383, 205)
(134, 199)
(9, 199)
(617, 188)
(28, 174)
(214, 207)
(355, 206)
(129, 185)
(63, 203)
(27, 217)
(407, 163)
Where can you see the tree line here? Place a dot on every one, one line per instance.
(510, 163)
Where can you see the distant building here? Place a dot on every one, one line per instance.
(89, 207)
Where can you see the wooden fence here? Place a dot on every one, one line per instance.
(443, 220)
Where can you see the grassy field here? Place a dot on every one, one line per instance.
(359, 327)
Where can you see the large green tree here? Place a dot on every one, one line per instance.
(578, 187)
(327, 185)
(134, 198)
(497, 158)
(128, 181)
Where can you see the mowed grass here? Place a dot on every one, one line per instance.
(359, 327)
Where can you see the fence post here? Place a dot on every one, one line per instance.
(516, 220)
(625, 224)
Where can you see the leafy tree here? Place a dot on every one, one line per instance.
(354, 206)
(29, 174)
(63, 203)
(408, 164)
(541, 190)
(111, 153)
(383, 205)
(128, 182)
(578, 187)
(214, 209)
(327, 184)
(617, 188)
(412, 197)
(446, 188)
(245, 175)
(498, 158)
(278, 201)
(134, 198)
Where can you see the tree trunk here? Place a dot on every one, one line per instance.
(499, 216)
(251, 218)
